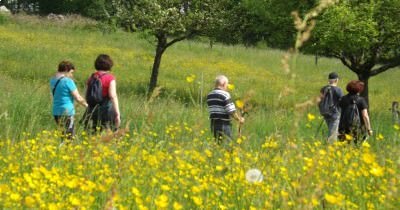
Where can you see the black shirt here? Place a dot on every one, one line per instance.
(347, 100)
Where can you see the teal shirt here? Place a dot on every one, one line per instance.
(63, 101)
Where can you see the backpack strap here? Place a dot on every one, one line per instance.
(55, 86)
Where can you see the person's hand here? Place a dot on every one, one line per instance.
(117, 121)
(241, 120)
(370, 132)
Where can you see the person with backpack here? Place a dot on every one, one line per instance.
(328, 105)
(64, 92)
(354, 119)
(222, 110)
(101, 95)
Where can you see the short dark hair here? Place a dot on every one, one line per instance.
(103, 62)
(65, 66)
(355, 86)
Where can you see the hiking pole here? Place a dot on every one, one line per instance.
(242, 114)
(319, 128)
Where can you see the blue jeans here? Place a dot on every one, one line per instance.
(221, 130)
(333, 127)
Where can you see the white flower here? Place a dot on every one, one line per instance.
(254, 175)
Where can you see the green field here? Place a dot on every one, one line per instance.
(167, 158)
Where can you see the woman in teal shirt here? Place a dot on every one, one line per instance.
(64, 92)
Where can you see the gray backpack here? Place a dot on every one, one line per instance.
(327, 106)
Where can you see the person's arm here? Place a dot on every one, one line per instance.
(79, 98)
(367, 123)
(112, 92)
(236, 116)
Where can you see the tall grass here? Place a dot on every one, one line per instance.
(30, 53)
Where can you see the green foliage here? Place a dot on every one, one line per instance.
(3, 19)
(364, 35)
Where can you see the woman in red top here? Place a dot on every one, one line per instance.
(106, 113)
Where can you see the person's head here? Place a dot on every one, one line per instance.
(103, 63)
(355, 86)
(333, 78)
(221, 82)
(65, 67)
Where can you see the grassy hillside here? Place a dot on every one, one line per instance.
(167, 159)
(30, 50)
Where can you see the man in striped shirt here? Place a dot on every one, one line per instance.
(222, 110)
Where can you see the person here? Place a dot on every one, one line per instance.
(332, 115)
(64, 92)
(354, 89)
(221, 110)
(106, 114)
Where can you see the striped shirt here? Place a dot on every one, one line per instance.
(220, 105)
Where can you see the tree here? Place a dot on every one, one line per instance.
(363, 34)
(168, 21)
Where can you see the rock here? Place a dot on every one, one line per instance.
(52, 16)
(3, 9)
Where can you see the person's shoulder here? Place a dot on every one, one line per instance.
(109, 76)
(337, 88)
(361, 100)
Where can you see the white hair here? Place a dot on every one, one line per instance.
(220, 80)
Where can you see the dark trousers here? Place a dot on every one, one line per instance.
(100, 117)
(67, 122)
(221, 129)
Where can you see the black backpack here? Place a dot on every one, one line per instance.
(351, 116)
(327, 106)
(94, 93)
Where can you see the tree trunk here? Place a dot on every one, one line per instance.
(364, 78)
(161, 45)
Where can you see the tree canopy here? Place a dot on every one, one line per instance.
(168, 21)
(363, 34)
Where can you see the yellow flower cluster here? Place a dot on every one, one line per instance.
(184, 169)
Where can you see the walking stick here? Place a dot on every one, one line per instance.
(319, 128)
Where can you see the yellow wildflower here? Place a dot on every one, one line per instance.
(231, 86)
(190, 79)
(165, 187)
(380, 137)
(197, 200)
(239, 104)
(74, 200)
(376, 170)
(177, 206)
(368, 158)
(336, 199)
(162, 201)
(29, 201)
(348, 137)
(15, 197)
(310, 117)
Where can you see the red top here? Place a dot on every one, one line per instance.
(106, 79)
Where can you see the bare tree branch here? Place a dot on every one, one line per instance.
(395, 62)
(345, 62)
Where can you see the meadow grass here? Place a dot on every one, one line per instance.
(167, 158)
